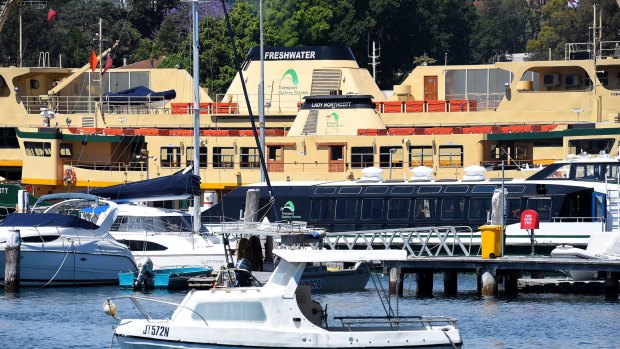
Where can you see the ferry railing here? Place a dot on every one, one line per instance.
(484, 101)
(394, 321)
(584, 49)
(108, 166)
(260, 228)
(416, 241)
(274, 103)
(87, 105)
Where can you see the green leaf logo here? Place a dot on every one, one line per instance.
(289, 206)
(335, 116)
(292, 75)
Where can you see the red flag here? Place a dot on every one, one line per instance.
(93, 60)
(51, 14)
(108, 64)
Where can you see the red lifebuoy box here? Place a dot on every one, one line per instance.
(529, 219)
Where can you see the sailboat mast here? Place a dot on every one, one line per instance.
(261, 88)
(197, 203)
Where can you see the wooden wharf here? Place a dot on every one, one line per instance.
(491, 272)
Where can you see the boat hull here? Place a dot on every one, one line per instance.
(65, 268)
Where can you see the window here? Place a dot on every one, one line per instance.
(590, 146)
(346, 209)
(321, 209)
(542, 206)
(452, 208)
(394, 153)
(8, 138)
(372, 209)
(66, 149)
(362, 157)
(350, 190)
(376, 190)
(249, 158)
(398, 209)
(245, 311)
(38, 149)
(189, 156)
(139, 245)
(424, 209)
(223, 157)
(170, 156)
(421, 155)
(479, 209)
(454, 189)
(336, 152)
(451, 155)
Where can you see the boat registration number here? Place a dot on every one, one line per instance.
(313, 283)
(154, 330)
(615, 94)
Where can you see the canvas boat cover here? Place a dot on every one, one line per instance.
(173, 185)
(138, 95)
(46, 220)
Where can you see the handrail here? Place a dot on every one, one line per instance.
(143, 311)
(349, 321)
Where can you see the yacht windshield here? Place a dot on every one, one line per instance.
(154, 224)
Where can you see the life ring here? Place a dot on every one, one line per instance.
(69, 176)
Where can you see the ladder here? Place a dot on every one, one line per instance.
(613, 204)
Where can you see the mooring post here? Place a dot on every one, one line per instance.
(511, 284)
(489, 285)
(611, 286)
(450, 282)
(250, 215)
(11, 261)
(396, 281)
(424, 283)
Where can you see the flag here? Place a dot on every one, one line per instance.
(93, 60)
(108, 64)
(573, 3)
(51, 14)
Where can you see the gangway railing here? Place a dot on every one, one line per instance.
(430, 241)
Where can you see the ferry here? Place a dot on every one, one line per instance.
(574, 199)
(325, 119)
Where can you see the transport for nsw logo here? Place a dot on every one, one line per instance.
(288, 211)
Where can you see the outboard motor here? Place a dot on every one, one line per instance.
(145, 278)
(243, 273)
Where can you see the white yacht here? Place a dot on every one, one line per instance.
(67, 243)
(281, 314)
(166, 237)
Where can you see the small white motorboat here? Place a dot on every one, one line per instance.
(600, 246)
(280, 314)
(68, 243)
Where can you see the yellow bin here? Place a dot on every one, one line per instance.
(491, 240)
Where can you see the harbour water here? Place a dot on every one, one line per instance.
(73, 317)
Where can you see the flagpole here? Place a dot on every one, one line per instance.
(100, 69)
(196, 76)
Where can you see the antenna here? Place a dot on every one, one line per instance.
(374, 57)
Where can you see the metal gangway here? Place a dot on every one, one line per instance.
(426, 241)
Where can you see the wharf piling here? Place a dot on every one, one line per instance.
(11, 262)
(493, 273)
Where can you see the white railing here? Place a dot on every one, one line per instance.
(604, 49)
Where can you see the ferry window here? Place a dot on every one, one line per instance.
(479, 209)
(251, 311)
(346, 209)
(421, 155)
(376, 190)
(393, 153)
(398, 209)
(483, 189)
(372, 209)
(451, 156)
(362, 157)
(452, 208)
(403, 190)
(325, 190)
(460, 189)
(429, 189)
(8, 138)
(336, 152)
(223, 157)
(588, 172)
(34, 84)
(542, 206)
(38, 149)
(485, 86)
(249, 158)
(321, 209)
(590, 146)
(611, 172)
(275, 158)
(350, 190)
(170, 156)
(424, 209)
(515, 188)
(189, 157)
(514, 210)
(66, 149)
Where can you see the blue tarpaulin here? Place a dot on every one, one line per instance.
(173, 185)
(46, 220)
(138, 95)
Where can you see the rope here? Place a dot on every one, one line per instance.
(61, 264)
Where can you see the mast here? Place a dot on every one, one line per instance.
(196, 211)
(100, 68)
(261, 88)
